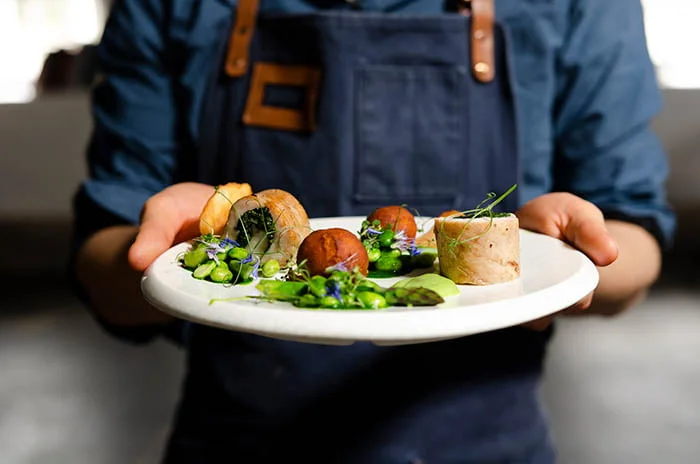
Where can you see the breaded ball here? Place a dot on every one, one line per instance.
(332, 247)
(397, 218)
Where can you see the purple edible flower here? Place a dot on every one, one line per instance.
(247, 259)
(337, 267)
(256, 266)
(227, 242)
(334, 290)
(371, 231)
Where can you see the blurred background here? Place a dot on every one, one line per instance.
(625, 390)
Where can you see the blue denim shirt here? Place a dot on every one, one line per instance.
(584, 85)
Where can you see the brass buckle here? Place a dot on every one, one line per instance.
(256, 113)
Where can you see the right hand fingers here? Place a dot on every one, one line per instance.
(168, 217)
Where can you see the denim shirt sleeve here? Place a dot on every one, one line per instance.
(607, 96)
(132, 150)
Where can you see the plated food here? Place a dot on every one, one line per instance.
(389, 236)
(265, 237)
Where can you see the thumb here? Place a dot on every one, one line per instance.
(589, 234)
(159, 226)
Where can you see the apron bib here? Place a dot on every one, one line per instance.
(350, 111)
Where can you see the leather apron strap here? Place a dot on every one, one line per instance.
(481, 11)
(237, 59)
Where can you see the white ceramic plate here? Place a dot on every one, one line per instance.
(553, 277)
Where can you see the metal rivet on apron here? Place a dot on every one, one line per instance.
(240, 62)
(479, 34)
(482, 68)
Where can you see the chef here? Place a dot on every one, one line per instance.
(352, 105)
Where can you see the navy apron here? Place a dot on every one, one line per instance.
(349, 111)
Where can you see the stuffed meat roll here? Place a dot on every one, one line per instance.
(478, 251)
(270, 224)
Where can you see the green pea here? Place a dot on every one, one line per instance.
(373, 254)
(387, 263)
(317, 286)
(238, 253)
(386, 238)
(371, 300)
(393, 253)
(203, 270)
(270, 268)
(330, 302)
(194, 258)
(308, 301)
(221, 274)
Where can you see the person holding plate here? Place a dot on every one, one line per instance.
(352, 105)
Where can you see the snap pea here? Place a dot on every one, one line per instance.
(203, 270)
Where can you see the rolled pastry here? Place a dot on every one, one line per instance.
(216, 210)
(270, 224)
(480, 251)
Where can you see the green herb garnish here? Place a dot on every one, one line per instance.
(258, 219)
(483, 209)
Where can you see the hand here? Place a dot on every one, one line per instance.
(579, 223)
(169, 217)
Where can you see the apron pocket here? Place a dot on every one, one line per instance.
(409, 137)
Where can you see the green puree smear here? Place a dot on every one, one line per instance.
(435, 282)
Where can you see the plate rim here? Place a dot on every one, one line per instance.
(159, 294)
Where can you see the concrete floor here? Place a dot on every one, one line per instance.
(619, 391)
